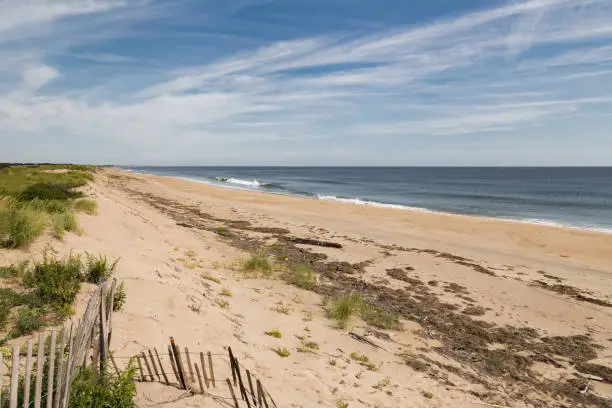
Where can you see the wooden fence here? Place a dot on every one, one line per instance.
(202, 373)
(44, 377)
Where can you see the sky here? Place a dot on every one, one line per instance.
(306, 82)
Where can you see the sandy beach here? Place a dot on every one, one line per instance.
(492, 311)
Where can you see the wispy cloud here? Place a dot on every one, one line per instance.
(484, 72)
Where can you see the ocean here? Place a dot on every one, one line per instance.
(577, 197)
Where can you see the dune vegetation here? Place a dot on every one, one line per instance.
(35, 197)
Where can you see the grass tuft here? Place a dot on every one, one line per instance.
(280, 308)
(222, 303)
(211, 278)
(120, 298)
(64, 221)
(274, 333)
(226, 292)
(258, 264)
(98, 268)
(19, 227)
(380, 318)
(364, 361)
(303, 277)
(342, 309)
(87, 206)
(282, 351)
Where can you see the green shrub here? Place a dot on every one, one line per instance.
(21, 226)
(56, 281)
(303, 277)
(87, 206)
(50, 191)
(343, 308)
(91, 390)
(99, 268)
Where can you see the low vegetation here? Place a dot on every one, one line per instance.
(281, 308)
(43, 292)
(226, 292)
(344, 308)
(87, 206)
(282, 351)
(222, 303)
(90, 389)
(364, 361)
(211, 278)
(274, 333)
(34, 197)
(258, 264)
(119, 298)
(303, 277)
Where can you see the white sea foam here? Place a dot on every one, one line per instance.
(358, 201)
(251, 183)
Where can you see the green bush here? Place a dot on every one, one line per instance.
(98, 268)
(50, 191)
(20, 227)
(91, 390)
(87, 206)
(56, 281)
(303, 277)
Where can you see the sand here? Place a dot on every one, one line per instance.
(507, 272)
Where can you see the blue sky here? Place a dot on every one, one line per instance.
(307, 82)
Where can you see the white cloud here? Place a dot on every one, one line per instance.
(37, 76)
(467, 75)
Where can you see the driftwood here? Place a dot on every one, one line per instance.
(365, 340)
(315, 242)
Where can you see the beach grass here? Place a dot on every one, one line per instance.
(274, 333)
(64, 221)
(342, 309)
(33, 196)
(283, 352)
(258, 264)
(19, 227)
(87, 206)
(303, 277)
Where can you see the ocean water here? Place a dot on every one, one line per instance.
(572, 197)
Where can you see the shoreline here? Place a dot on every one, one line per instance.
(455, 303)
(387, 206)
(474, 297)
